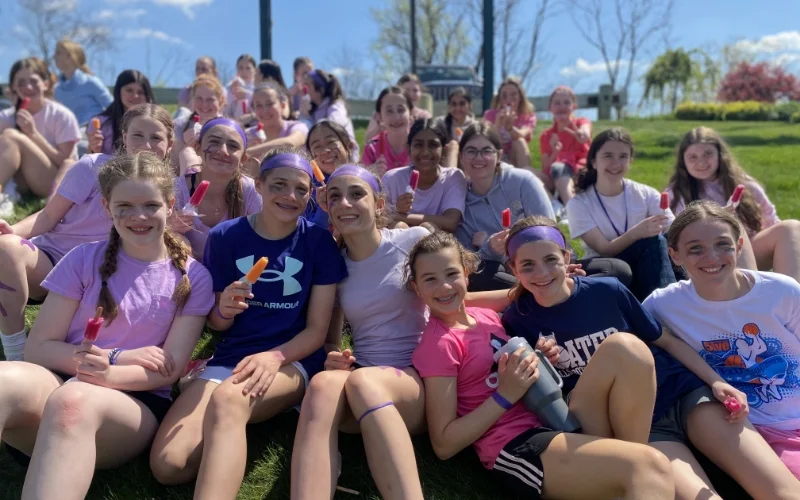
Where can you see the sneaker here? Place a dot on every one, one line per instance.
(6, 206)
(10, 190)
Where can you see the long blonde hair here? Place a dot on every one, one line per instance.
(525, 106)
(76, 52)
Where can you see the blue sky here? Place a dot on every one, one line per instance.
(163, 37)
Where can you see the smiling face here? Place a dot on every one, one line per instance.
(285, 192)
(327, 149)
(352, 205)
(459, 107)
(147, 134)
(132, 95)
(139, 212)
(561, 106)
(702, 161)
(479, 158)
(613, 161)
(708, 251)
(395, 115)
(510, 96)
(440, 281)
(206, 103)
(426, 150)
(541, 268)
(245, 70)
(413, 90)
(63, 59)
(222, 150)
(268, 107)
(30, 84)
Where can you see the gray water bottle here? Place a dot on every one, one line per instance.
(544, 397)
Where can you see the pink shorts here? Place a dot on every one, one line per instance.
(786, 445)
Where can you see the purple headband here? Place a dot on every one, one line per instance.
(535, 233)
(360, 172)
(227, 122)
(290, 160)
(317, 78)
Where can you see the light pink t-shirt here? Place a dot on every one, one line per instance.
(142, 291)
(199, 234)
(379, 146)
(468, 356)
(449, 191)
(289, 127)
(86, 221)
(529, 121)
(55, 122)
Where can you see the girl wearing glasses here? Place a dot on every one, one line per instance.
(493, 187)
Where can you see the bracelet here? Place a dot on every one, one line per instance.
(503, 402)
(113, 354)
(219, 313)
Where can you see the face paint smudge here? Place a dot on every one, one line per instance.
(27, 243)
(397, 371)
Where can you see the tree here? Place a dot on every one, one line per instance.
(671, 71)
(441, 36)
(355, 80)
(758, 82)
(45, 22)
(620, 36)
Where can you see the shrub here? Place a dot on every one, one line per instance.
(698, 111)
(787, 109)
(736, 111)
(758, 82)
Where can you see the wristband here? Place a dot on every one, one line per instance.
(503, 402)
(113, 354)
(219, 313)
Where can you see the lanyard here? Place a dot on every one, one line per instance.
(625, 201)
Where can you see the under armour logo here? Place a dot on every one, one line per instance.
(291, 267)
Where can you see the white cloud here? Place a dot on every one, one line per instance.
(108, 14)
(60, 5)
(187, 6)
(340, 72)
(771, 44)
(584, 67)
(158, 35)
(786, 59)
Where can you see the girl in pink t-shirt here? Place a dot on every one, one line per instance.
(37, 135)
(90, 404)
(513, 115)
(73, 216)
(270, 103)
(471, 400)
(706, 169)
(389, 148)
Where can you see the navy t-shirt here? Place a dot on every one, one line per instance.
(277, 312)
(597, 308)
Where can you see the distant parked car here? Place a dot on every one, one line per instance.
(439, 80)
(4, 102)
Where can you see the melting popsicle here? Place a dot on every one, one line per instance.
(736, 197)
(200, 192)
(317, 172)
(255, 272)
(197, 126)
(93, 326)
(732, 404)
(664, 201)
(262, 136)
(506, 218)
(413, 182)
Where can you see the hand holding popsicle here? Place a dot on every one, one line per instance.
(96, 138)
(506, 216)
(318, 175)
(413, 182)
(199, 193)
(260, 134)
(255, 272)
(733, 399)
(664, 203)
(732, 404)
(93, 327)
(736, 197)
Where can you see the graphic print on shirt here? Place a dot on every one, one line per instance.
(753, 363)
(493, 380)
(575, 354)
(291, 286)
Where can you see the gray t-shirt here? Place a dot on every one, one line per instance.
(387, 318)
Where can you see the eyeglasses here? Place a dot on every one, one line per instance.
(486, 153)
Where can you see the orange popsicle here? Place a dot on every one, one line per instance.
(96, 124)
(317, 172)
(255, 272)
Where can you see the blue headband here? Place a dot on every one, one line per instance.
(360, 172)
(290, 160)
(318, 78)
(535, 233)
(226, 122)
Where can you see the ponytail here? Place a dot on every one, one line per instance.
(234, 195)
(107, 269)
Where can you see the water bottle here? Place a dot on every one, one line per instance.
(544, 397)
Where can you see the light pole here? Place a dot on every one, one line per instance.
(413, 36)
(265, 17)
(488, 53)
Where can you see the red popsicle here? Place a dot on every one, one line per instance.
(732, 404)
(244, 107)
(664, 201)
(305, 89)
(93, 326)
(25, 103)
(506, 218)
(196, 118)
(199, 193)
(414, 181)
(736, 197)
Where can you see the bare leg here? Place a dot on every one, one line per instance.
(316, 442)
(520, 154)
(565, 189)
(691, 481)
(225, 440)
(386, 431)
(19, 153)
(615, 395)
(777, 248)
(740, 451)
(178, 445)
(24, 389)
(24, 268)
(585, 467)
(85, 426)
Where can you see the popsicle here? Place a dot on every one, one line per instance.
(459, 133)
(413, 182)
(317, 172)
(197, 126)
(93, 326)
(255, 272)
(25, 103)
(732, 404)
(262, 136)
(191, 207)
(736, 197)
(664, 201)
(244, 107)
(506, 218)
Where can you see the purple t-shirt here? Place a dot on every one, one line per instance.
(387, 318)
(199, 234)
(289, 128)
(449, 191)
(142, 291)
(86, 221)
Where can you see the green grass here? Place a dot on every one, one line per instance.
(769, 151)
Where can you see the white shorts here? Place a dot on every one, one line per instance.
(217, 374)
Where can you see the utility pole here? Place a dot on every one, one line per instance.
(265, 16)
(413, 36)
(488, 53)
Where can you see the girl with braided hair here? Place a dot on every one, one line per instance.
(75, 404)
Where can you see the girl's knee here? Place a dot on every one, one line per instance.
(71, 407)
(364, 389)
(171, 466)
(628, 349)
(228, 404)
(653, 466)
(790, 228)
